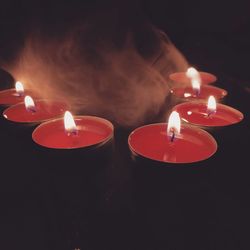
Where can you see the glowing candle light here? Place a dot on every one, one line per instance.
(69, 123)
(211, 105)
(29, 104)
(73, 132)
(196, 86)
(19, 88)
(198, 91)
(15, 95)
(208, 114)
(34, 112)
(192, 73)
(174, 125)
(172, 142)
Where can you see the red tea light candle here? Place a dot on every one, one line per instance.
(72, 133)
(198, 91)
(209, 114)
(13, 96)
(186, 77)
(172, 142)
(30, 112)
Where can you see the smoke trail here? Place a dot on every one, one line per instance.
(102, 66)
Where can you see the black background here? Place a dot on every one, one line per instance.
(116, 203)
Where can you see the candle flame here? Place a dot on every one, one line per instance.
(174, 125)
(192, 73)
(196, 84)
(211, 105)
(19, 88)
(29, 103)
(69, 123)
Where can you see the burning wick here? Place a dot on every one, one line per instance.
(174, 125)
(196, 86)
(19, 88)
(69, 124)
(29, 104)
(211, 105)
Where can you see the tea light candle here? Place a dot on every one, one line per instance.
(172, 142)
(30, 112)
(208, 113)
(72, 133)
(13, 96)
(198, 91)
(186, 77)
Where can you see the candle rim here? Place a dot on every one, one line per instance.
(212, 139)
(172, 91)
(13, 90)
(98, 144)
(214, 77)
(203, 102)
(35, 101)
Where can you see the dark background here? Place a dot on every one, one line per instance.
(123, 204)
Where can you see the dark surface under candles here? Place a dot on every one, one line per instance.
(113, 203)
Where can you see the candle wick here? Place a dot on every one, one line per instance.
(72, 132)
(173, 136)
(197, 92)
(210, 113)
(32, 109)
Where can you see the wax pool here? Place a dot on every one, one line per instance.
(10, 97)
(197, 113)
(91, 131)
(152, 142)
(181, 77)
(44, 110)
(204, 93)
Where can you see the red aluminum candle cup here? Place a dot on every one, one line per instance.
(152, 142)
(181, 77)
(18, 122)
(188, 93)
(44, 110)
(197, 113)
(10, 97)
(91, 131)
(224, 123)
(90, 145)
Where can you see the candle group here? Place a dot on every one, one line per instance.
(54, 132)
(175, 143)
(170, 142)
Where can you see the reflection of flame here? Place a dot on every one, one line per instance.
(211, 105)
(19, 88)
(174, 125)
(69, 123)
(187, 95)
(196, 85)
(29, 104)
(192, 73)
